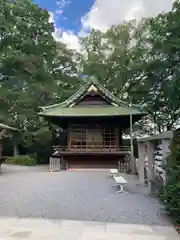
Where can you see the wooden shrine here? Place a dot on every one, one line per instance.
(92, 122)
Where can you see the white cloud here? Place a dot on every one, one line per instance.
(60, 11)
(62, 3)
(85, 27)
(51, 17)
(105, 13)
(65, 36)
(68, 38)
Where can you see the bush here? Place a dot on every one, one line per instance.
(171, 193)
(39, 144)
(22, 160)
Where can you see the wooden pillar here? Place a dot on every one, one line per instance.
(117, 138)
(0, 153)
(2, 133)
(150, 153)
(15, 146)
(69, 136)
(120, 137)
(141, 153)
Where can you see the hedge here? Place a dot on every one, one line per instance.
(22, 160)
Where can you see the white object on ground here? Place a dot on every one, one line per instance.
(120, 181)
(54, 164)
(113, 171)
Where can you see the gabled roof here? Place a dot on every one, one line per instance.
(70, 102)
(116, 107)
(8, 127)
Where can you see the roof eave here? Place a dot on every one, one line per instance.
(90, 115)
(4, 126)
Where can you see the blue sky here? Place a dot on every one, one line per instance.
(75, 18)
(67, 14)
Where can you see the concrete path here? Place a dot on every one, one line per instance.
(36, 229)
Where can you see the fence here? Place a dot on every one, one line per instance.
(124, 165)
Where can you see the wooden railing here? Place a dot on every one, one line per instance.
(91, 148)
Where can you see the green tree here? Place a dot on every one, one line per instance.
(108, 56)
(142, 59)
(171, 195)
(34, 69)
(27, 51)
(161, 82)
(117, 59)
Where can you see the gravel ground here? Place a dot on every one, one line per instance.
(81, 195)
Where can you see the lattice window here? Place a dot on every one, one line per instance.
(77, 138)
(93, 138)
(109, 137)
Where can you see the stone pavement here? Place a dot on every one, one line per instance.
(32, 229)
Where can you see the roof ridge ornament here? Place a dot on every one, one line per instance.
(92, 88)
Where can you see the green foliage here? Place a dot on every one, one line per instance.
(143, 60)
(163, 68)
(171, 193)
(40, 144)
(26, 53)
(22, 160)
(109, 56)
(34, 71)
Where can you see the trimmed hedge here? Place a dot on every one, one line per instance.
(22, 160)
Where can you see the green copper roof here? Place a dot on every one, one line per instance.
(91, 112)
(83, 90)
(68, 108)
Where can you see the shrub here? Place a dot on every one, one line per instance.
(39, 143)
(22, 160)
(171, 193)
